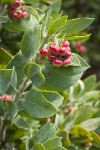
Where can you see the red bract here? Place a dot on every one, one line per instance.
(44, 52)
(53, 49)
(16, 3)
(65, 43)
(57, 62)
(66, 62)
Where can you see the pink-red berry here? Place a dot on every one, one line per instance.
(89, 144)
(16, 3)
(11, 8)
(44, 52)
(23, 9)
(6, 97)
(15, 15)
(52, 57)
(57, 62)
(70, 109)
(53, 49)
(24, 14)
(62, 50)
(80, 48)
(68, 54)
(65, 43)
(66, 62)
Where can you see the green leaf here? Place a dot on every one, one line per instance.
(60, 78)
(32, 11)
(37, 106)
(78, 130)
(19, 61)
(31, 39)
(1, 108)
(5, 75)
(3, 19)
(38, 146)
(33, 72)
(57, 25)
(65, 137)
(20, 122)
(79, 37)
(20, 24)
(90, 83)
(60, 148)
(10, 108)
(86, 112)
(94, 95)
(53, 143)
(96, 139)
(5, 57)
(45, 133)
(74, 26)
(91, 124)
(75, 61)
(47, 21)
(10, 1)
(69, 120)
(53, 97)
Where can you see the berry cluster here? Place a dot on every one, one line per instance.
(16, 11)
(6, 97)
(80, 48)
(58, 56)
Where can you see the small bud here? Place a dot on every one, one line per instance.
(15, 15)
(70, 109)
(66, 62)
(68, 54)
(44, 52)
(62, 50)
(89, 144)
(65, 43)
(16, 3)
(53, 49)
(23, 9)
(57, 62)
(11, 8)
(52, 57)
(24, 14)
(80, 48)
(6, 97)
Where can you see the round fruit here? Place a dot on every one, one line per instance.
(44, 52)
(57, 62)
(62, 50)
(16, 3)
(66, 62)
(65, 43)
(53, 49)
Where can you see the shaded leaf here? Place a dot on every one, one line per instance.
(37, 106)
(46, 132)
(31, 39)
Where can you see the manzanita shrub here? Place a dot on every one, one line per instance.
(43, 103)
